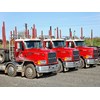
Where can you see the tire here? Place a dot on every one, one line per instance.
(60, 67)
(66, 69)
(30, 71)
(83, 65)
(2, 57)
(11, 70)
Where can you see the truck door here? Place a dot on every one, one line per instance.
(19, 50)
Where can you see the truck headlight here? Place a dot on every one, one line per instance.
(67, 58)
(88, 56)
(40, 62)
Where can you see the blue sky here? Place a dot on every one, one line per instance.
(43, 20)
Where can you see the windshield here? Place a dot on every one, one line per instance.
(59, 43)
(33, 44)
(80, 43)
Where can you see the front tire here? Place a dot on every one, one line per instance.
(82, 65)
(30, 71)
(60, 66)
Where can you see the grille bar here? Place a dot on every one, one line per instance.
(76, 55)
(95, 53)
(52, 58)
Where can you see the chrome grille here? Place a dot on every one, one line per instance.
(76, 55)
(95, 53)
(51, 58)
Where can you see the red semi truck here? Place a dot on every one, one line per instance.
(28, 57)
(67, 57)
(89, 55)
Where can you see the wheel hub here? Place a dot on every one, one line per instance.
(11, 70)
(29, 72)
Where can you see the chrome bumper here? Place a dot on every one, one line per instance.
(71, 64)
(91, 61)
(47, 69)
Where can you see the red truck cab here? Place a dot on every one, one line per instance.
(89, 55)
(31, 50)
(30, 58)
(67, 57)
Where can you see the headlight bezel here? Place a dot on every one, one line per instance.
(68, 59)
(88, 56)
(41, 62)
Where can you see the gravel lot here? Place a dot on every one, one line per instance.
(89, 77)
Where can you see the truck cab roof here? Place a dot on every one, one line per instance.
(75, 40)
(53, 39)
(36, 39)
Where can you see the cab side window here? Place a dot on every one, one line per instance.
(71, 44)
(48, 45)
(20, 46)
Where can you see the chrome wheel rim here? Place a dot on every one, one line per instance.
(29, 72)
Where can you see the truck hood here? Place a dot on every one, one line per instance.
(65, 50)
(85, 48)
(40, 50)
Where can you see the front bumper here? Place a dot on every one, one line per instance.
(47, 69)
(91, 61)
(72, 64)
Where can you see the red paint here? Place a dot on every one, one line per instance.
(4, 36)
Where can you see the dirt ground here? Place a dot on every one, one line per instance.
(89, 77)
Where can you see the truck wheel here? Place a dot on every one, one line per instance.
(11, 70)
(2, 57)
(60, 69)
(66, 69)
(30, 71)
(82, 63)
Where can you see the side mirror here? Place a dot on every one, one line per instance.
(17, 50)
